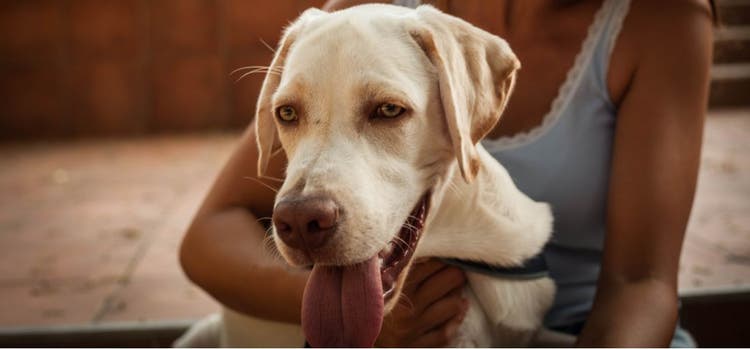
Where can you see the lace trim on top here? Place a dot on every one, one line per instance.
(619, 19)
(565, 92)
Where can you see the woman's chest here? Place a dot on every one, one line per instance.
(547, 38)
(544, 69)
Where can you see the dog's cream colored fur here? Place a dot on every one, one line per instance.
(455, 80)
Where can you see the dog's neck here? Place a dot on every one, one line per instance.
(488, 220)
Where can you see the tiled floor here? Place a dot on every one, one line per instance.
(716, 252)
(89, 230)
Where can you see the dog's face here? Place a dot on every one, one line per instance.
(373, 107)
(359, 133)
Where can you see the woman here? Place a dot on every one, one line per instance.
(605, 124)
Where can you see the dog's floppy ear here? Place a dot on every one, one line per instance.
(476, 74)
(265, 126)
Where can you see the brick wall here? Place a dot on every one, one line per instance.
(74, 68)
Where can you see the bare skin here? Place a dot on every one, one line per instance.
(658, 77)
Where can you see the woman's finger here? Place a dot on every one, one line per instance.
(421, 271)
(437, 285)
(451, 306)
(441, 336)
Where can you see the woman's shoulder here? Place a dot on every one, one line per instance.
(665, 24)
(658, 32)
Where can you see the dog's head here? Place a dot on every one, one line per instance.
(373, 106)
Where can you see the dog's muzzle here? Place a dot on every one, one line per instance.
(343, 305)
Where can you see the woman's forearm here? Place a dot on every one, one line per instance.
(631, 314)
(226, 254)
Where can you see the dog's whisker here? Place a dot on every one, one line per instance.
(269, 235)
(269, 246)
(406, 302)
(410, 226)
(280, 180)
(243, 69)
(267, 45)
(277, 152)
(454, 187)
(259, 66)
(401, 241)
(255, 72)
(261, 182)
(261, 219)
(246, 74)
(411, 216)
(256, 69)
(253, 67)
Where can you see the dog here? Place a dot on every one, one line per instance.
(380, 110)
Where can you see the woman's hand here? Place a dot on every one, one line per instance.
(430, 309)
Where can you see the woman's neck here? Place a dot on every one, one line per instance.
(516, 18)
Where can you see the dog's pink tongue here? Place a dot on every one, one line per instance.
(343, 306)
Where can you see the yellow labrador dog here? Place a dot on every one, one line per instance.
(379, 110)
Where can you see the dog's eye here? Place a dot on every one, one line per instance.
(389, 110)
(286, 113)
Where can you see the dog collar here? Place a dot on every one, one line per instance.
(533, 268)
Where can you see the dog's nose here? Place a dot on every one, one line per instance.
(305, 223)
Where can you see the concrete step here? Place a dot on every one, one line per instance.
(714, 317)
(732, 44)
(734, 12)
(735, 32)
(115, 335)
(730, 85)
(730, 75)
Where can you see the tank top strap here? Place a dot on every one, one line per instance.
(613, 16)
(407, 3)
(616, 11)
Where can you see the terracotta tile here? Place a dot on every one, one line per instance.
(138, 299)
(717, 244)
(31, 30)
(165, 296)
(109, 28)
(704, 266)
(109, 97)
(55, 302)
(183, 26)
(189, 93)
(90, 187)
(141, 299)
(106, 237)
(719, 215)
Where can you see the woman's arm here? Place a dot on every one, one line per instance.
(225, 252)
(654, 170)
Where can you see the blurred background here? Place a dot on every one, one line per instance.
(115, 115)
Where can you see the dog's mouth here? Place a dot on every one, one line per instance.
(399, 251)
(343, 306)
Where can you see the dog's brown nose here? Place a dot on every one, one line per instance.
(305, 223)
